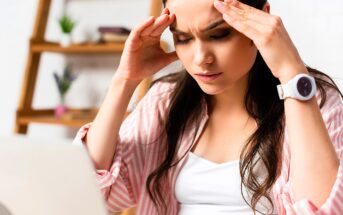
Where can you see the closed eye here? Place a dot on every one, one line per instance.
(182, 41)
(218, 34)
(221, 34)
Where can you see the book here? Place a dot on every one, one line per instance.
(113, 33)
(110, 37)
(114, 29)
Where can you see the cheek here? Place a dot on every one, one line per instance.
(184, 54)
(238, 56)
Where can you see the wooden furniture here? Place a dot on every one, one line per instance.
(25, 113)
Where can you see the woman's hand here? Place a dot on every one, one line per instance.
(268, 34)
(143, 55)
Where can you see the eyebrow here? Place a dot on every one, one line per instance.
(211, 26)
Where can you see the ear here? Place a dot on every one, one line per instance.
(266, 7)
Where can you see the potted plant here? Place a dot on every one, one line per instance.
(66, 24)
(63, 83)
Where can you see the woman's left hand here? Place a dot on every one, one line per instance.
(268, 34)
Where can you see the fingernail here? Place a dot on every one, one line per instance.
(219, 4)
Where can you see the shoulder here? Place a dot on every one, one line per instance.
(330, 102)
(158, 98)
(162, 89)
(330, 97)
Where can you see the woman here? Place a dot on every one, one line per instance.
(219, 137)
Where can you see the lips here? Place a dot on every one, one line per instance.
(208, 74)
(207, 77)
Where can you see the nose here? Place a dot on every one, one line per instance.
(203, 55)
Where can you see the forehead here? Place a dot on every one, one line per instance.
(193, 13)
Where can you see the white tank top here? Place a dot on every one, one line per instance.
(206, 187)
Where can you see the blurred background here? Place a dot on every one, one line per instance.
(316, 28)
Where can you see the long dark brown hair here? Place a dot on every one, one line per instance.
(263, 147)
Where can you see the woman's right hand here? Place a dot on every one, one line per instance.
(143, 56)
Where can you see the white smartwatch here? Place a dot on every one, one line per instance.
(301, 87)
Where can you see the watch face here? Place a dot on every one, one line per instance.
(304, 86)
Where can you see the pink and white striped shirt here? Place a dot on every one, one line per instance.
(137, 155)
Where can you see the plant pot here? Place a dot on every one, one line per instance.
(60, 110)
(65, 40)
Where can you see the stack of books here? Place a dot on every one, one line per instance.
(113, 34)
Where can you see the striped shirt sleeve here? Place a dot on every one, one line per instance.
(332, 113)
(121, 186)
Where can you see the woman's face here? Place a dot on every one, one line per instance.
(214, 54)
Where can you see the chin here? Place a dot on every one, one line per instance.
(211, 89)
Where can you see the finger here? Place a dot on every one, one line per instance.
(246, 7)
(235, 19)
(249, 28)
(245, 23)
(237, 14)
(165, 11)
(158, 22)
(243, 11)
(159, 30)
(136, 32)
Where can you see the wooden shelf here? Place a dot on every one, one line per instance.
(50, 119)
(91, 48)
(37, 46)
(74, 117)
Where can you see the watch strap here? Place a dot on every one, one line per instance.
(284, 91)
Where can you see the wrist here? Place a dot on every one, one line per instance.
(122, 84)
(118, 79)
(290, 72)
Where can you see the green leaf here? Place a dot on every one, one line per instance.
(66, 24)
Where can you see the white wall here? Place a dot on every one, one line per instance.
(315, 26)
(16, 18)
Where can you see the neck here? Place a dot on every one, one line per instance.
(231, 101)
(228, 110)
